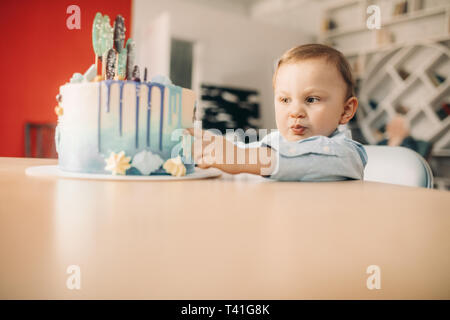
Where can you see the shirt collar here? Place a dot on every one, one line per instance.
(341, 133)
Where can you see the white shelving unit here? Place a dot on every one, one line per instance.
(424, 20)
(396, 74)
(404, 67)
(403, 80)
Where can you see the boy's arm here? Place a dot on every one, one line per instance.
(217, 152)
(258, 161)
(313, 159)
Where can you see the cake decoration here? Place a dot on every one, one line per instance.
(175, 167)
(147, 162)
(119, 33)
(110, 64)
(90, 73)
(96, 27)
(135, 75)
(59, 98)
(121, 115)
(130, 58)
(76, 78)
(106, 36)
(118, 163)
(149, 85)
(106, 41)
(122, 65)
(59, 110)
(161, 79)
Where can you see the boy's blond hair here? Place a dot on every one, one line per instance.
(313, 51)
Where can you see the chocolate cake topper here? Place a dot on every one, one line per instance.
(110, 64)
(130, 58)
(136, 74)
(119, 33)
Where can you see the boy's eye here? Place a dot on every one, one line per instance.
(312, 99)
(285, 100)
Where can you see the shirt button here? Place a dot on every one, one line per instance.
(326, 149)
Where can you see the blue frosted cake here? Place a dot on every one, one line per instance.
(115, 124)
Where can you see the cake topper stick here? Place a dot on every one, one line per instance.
(145, 74)
(96, 27)
(116, 71)
(130, 58)
(103, 60)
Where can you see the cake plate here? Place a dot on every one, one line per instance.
(55, 171)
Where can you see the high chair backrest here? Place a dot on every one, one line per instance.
(397, 165)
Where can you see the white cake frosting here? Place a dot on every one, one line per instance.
(99, 118)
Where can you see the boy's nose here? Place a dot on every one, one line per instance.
(297, 112)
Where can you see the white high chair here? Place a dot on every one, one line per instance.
(397, 165)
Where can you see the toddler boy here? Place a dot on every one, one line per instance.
(314, 94)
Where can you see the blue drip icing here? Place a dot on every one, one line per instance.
(121, 84)
(149, 106)
(174, 92)
(108, 84)
(149, 99)
(174, 95)
(137, 114)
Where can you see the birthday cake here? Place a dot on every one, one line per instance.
(111, 122)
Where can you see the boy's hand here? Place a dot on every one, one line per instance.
(198, 146)
(210, 150)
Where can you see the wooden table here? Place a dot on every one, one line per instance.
(234, 237)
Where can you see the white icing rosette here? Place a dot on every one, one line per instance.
(147, 162)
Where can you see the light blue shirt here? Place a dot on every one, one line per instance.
(317, 158)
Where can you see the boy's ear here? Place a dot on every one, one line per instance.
(350, 107)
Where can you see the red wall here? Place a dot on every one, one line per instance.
(39, 54)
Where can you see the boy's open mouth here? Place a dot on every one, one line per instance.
(298, 129)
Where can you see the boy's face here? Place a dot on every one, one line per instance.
(310, 99)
